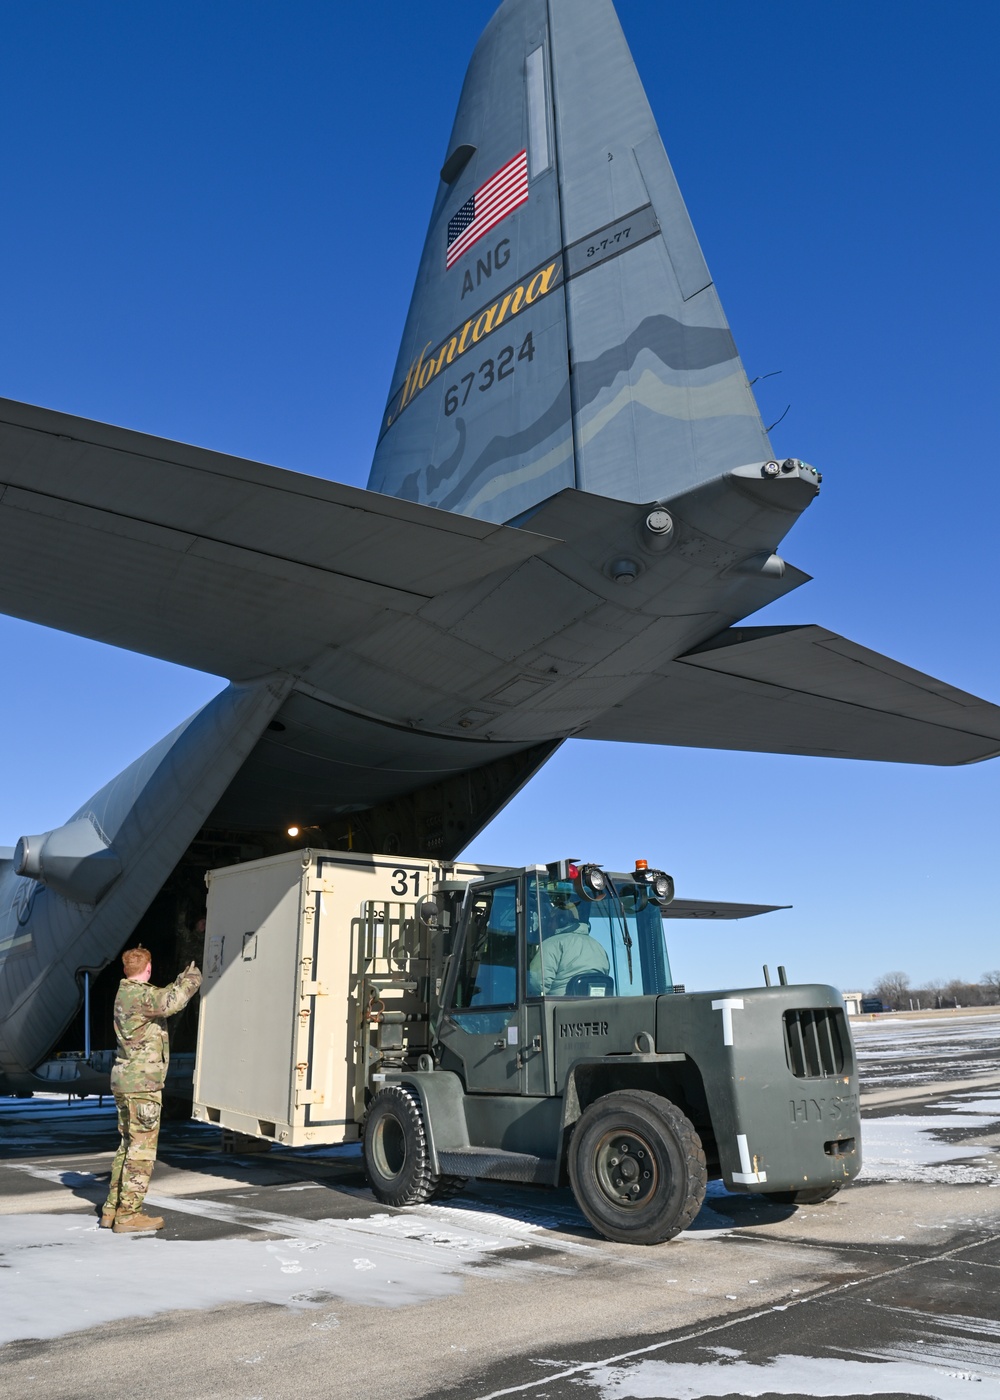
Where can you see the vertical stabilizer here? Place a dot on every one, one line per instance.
(564, 329)
(660, 397)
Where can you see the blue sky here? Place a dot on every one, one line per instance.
(210, 220)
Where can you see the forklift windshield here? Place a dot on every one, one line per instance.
(579, 947)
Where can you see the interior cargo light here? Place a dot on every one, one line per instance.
(294, 830)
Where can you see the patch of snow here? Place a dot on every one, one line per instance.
(62, 1276)
(784, 1375)
(67, 1275)
(909, 1147)
(958, 1104)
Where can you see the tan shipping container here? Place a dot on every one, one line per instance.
(292, 945)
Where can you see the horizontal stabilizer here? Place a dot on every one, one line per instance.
(214, 562)
(803, 690)
(716, 909)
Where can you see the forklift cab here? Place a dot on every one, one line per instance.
(536, 951)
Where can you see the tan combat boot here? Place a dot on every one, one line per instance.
(107, 1218)
(125, 1224)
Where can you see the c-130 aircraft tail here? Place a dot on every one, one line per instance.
(565, 330)
(572, 507)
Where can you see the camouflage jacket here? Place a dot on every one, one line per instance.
(143, 1046)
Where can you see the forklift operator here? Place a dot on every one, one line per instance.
(566, 950)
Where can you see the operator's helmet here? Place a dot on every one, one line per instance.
(565, 914)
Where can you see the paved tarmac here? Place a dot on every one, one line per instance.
(897, 1052)
(278, 1275)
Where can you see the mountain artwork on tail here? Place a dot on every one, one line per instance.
(572, 507)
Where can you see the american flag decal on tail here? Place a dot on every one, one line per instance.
(493, 201)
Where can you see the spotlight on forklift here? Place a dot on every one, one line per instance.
(662, 888)
(658, 885)
(589, 881)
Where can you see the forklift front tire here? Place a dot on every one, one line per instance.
(637, 1167)
(396, 1154)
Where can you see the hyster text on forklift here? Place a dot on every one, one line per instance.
(516, 1025)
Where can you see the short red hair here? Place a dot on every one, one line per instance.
(136, 960)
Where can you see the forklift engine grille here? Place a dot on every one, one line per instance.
(814, 1042)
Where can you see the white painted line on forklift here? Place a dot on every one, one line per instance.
(727, 1006)
(747, 1174)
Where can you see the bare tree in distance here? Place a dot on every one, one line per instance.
(893, 989)
(958, 993)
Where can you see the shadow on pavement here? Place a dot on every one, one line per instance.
(84, 1128)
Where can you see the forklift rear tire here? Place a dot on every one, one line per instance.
(808, 1196)
(396, 1153)
(637, 1167)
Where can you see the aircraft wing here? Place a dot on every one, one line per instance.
(803, 690)
(716, 909)
(214, 562)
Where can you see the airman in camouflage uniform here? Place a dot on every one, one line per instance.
(137, 1081)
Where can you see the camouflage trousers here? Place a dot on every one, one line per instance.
(139, 1125)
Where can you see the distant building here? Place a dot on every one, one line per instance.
(874, 1006)
(852, 1003)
